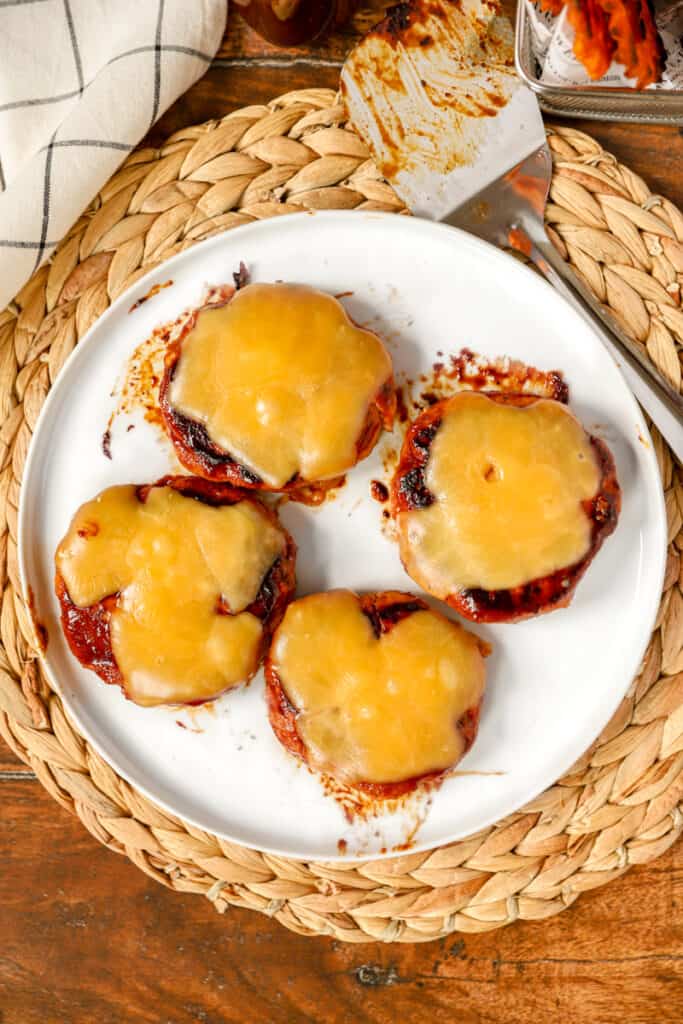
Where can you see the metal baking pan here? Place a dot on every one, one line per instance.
(602, 103)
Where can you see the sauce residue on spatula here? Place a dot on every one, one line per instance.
(422, 84)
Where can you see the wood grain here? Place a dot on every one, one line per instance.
(241, 41)
(85, 936)
(10, 764)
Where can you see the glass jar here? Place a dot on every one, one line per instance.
(293, 22)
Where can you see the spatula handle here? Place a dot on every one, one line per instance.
(659, 400)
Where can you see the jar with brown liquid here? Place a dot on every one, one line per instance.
(293, 22)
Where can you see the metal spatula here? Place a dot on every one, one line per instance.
(433, 91)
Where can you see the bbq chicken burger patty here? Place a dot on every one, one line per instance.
(378, 691)
(501, 502)
(275, 389)
(172, 590)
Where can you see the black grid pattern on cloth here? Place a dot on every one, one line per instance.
(74, 44)
(157, 64)
(155, 48)
(46, 202)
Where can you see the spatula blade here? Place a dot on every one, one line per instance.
(433, 91)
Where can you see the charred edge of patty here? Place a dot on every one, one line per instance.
(544, 594)
(190, 438)
(241, 276)
(410, 491)
(87, 633)
(556, 589)
(409, 486)
(87, 630)
(198, 453)
(507, 377)
(384, 610)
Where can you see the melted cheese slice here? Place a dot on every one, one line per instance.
(509, 482)
(171, 559)
(282, 380)
(376, 709)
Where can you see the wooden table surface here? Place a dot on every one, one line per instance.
(86, 937)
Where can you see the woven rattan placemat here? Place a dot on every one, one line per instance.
(621, 803)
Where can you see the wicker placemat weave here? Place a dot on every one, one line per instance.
(621, 803)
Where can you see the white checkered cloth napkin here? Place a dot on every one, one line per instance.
(81, 82)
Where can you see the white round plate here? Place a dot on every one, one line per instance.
(552, 683)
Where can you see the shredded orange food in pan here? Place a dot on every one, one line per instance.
(593, 45)
(620, 30)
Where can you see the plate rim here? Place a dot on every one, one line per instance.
(139, 289)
